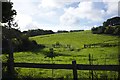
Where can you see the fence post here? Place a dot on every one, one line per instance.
(119, 52)
(91, 63)
(10, 67)
(119, 68)
(74, 70)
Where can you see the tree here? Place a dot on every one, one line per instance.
(36, 32)
(117, 30)
(95, 30)
(112, 22)
(109, 30)
(7, 12)
(7, 17)
(111, 26)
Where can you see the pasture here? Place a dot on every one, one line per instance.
(66, 48)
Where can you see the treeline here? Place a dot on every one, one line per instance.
(20, 41)
(76, 30)
(36, 32)
(64, 31)
(111, 26)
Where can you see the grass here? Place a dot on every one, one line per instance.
(76, 39)
(71, 47)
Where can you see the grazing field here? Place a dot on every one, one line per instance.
(66, 48)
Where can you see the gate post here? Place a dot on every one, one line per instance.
(75, 77)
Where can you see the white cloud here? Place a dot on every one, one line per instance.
(47, 15)
(95, 25)
(112, 8)
(89, 12)
(23, 20)
(48, 4)
(69, 18)
(52, 4)
(31, 13)
(86, 10)
(73, 15)
(36, 25)
(110, 0)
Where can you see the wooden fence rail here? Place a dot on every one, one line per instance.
(100, 45)
(72, 66)
(67, 66)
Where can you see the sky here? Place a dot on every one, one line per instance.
(63, 14)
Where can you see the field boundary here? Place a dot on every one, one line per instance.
(67, 66)
(100, 45)
(72, 66)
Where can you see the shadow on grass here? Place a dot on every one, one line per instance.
(47, 53)
(37, 48)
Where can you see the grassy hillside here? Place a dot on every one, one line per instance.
(70, 47)
(76, 39)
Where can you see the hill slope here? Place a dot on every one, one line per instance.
(68, 47)
(76, 39)
(72, 45)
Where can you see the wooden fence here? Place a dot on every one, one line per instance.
(100, 45)
(10, 66)
(72, 66)
(67, 66)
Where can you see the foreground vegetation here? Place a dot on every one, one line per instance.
(68, 47)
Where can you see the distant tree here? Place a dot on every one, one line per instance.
(62, 31)
(36, 32)
(109, 30)
(49, 32)
(94, 30)
(112, 22)
(76, 30)
(117, 30)
(100, 29)
(111, 26)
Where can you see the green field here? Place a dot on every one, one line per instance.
(70, 46)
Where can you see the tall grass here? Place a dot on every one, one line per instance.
(71, 48)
